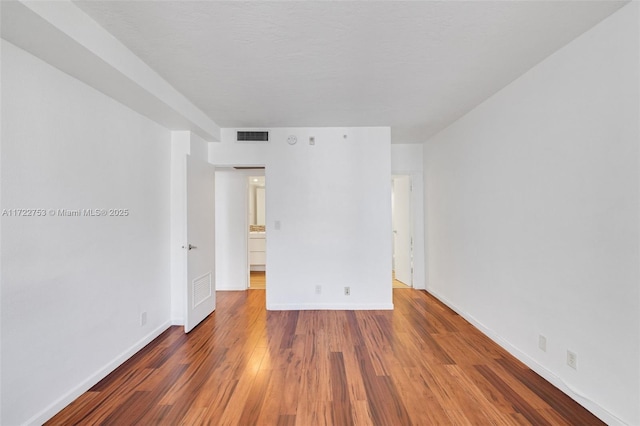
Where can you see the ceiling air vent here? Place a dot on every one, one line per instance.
(253, 136)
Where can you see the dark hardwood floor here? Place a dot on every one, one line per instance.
(420, 364)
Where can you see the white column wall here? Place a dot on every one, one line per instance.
(332, 202)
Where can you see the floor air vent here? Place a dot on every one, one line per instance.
(253, 136)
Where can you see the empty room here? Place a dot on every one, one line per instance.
(320, 212)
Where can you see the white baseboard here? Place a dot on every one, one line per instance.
(177, 321)
(329, 307)
(70, 396)
(599, 411)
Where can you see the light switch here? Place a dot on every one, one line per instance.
(276, 224)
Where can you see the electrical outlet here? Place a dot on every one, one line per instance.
(143, 319)
(312, 140)
(318, 289)
(347, 291)
(542, 343)
(572, 360)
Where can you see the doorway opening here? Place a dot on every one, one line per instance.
(233, 218)
(402, 231)
(257, 237)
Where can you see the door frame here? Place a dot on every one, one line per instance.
(410, 210)
(233, 228)
(248, 220)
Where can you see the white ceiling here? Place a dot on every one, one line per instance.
(415, 66)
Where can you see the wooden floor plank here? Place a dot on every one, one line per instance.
(419, 364)
(518, 402)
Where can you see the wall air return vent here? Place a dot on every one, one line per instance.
(253, 136)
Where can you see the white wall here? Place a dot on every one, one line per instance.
(334, 207)
(406, 159)
(532, 217)
(232, 229)
(73, 288)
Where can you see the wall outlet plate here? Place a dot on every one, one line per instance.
(572, 360)
(542, 343)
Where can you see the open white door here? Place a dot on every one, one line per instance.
(200, 248)
(402, 241)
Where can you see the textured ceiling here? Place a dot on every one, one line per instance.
(415, 66)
